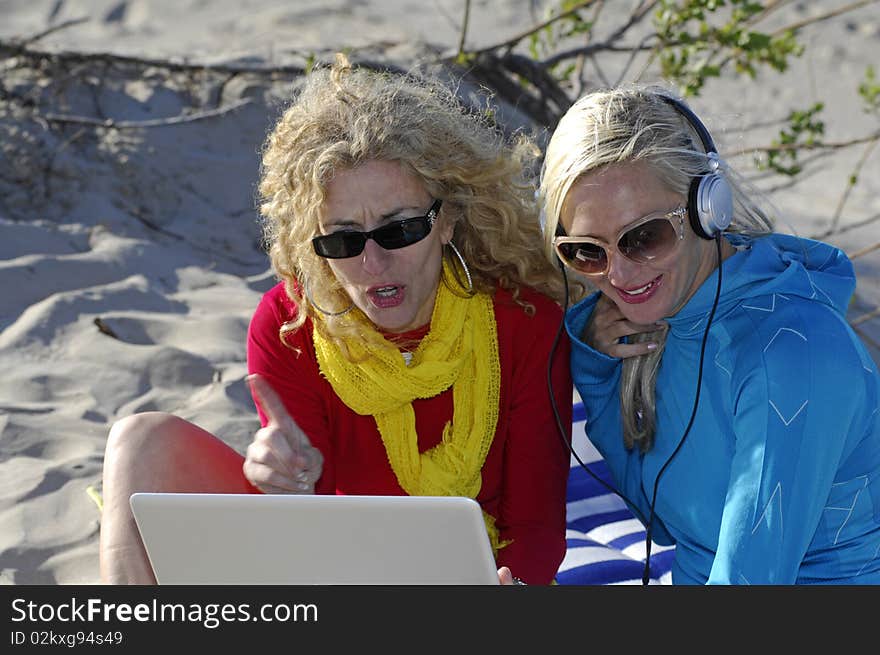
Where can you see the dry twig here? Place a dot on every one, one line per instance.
(104, 328)
(865, 317)
(864, 251)
(53, 29)
(156, 122)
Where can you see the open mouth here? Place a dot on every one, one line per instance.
(635, 292)
(386, 292)
(389, 295)
(640, 294)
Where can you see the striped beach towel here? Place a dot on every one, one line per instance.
(606, 543)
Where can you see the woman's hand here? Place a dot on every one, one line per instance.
(505, 577)
(607, 325)
(280, 459)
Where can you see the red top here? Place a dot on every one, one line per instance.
(526, 469)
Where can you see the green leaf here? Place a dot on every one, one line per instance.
(869, 90)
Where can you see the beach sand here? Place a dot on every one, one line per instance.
(130, 258)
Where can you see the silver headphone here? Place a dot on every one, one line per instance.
(710, 199)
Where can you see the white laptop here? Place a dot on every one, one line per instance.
(254, 539)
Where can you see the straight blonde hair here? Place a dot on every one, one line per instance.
(635, 124)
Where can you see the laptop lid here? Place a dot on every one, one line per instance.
(193, 538)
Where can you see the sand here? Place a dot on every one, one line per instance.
(130, 257)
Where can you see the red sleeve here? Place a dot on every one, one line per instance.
(536, 460)
(293, 372)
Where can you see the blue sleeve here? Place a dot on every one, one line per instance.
(793, 408)
(596, 377)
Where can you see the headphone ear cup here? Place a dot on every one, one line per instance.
(710, 205)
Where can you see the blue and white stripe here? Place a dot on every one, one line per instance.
(606, 543)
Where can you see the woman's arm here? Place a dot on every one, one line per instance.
(796, 391)
(293, 374)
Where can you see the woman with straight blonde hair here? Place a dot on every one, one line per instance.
(735, 406)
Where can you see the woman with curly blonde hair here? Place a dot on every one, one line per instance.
(333, 126)
(405, 350)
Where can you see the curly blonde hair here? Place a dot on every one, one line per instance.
(635, 124)
(343, 116)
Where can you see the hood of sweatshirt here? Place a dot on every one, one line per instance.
(766, 266)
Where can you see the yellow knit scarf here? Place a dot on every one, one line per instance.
(461, 351)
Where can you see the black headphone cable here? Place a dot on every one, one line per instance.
(569, 445)
(646, 575)
(560, 428)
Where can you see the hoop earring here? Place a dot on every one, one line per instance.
(324, 311)
(464, 266)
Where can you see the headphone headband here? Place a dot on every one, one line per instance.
(710, 199)
(696, 123)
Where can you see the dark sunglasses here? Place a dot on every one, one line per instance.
(398, 234)
(650, 237)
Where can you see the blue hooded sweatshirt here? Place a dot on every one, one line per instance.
(778, 480)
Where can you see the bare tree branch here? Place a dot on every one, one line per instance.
(608, 44)
(489, 70)
(864, 251)
(632, 58)
(865, 317)
(464, 27)
(53, 29)
(104, 328)
(794, 27)
(513, 41)
(156, 122)
(854, 176)
(12, 48)
(768, 9)
(540, 77)
(813, 145)
(848, 227)
(867, 338)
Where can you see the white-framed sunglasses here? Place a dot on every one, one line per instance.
(644, 240)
